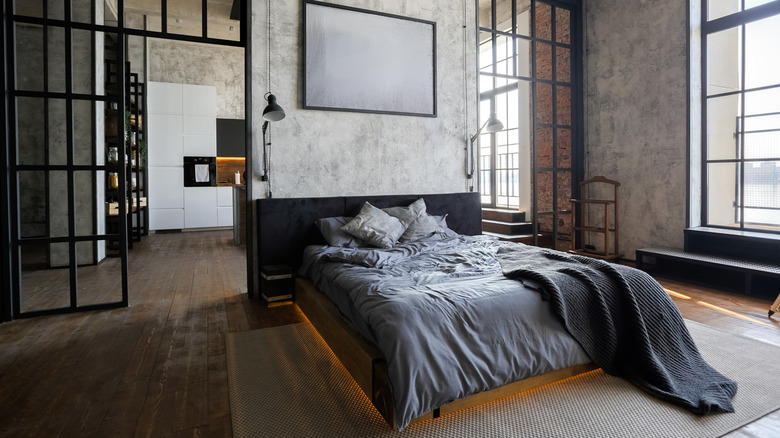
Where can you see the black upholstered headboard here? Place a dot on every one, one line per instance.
(286, 225)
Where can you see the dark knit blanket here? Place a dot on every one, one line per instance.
(625, 322)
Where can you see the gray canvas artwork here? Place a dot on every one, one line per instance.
(368, 62)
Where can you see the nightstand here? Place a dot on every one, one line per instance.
(277, 285)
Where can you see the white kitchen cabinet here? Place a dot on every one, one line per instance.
(166, 188)
(225, 216)
(199, 100)
(165, 98)
(166, 219)
(200, 207)
(225, 196)
(201, 125)
(200, 145)
(166, 144)
(182, 122)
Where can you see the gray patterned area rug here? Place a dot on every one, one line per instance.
(285, 382)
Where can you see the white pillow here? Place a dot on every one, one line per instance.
(375, 227)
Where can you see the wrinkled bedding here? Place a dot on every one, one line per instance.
(444, 317)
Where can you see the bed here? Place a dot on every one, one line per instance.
(286, 228)
(430, 327)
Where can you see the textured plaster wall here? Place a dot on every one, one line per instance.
(329, 153)
(636, 114)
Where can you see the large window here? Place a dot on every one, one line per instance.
(741, 107)
(528, 76)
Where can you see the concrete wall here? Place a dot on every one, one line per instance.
(327, 153)
(200, 64)
(636, 92)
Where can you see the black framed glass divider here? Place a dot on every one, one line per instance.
(530, 75)
(58, 164)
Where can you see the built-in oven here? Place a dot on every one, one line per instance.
(200, 171)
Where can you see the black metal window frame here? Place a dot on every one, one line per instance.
(577, 123)
(10, 305)
(708, 27)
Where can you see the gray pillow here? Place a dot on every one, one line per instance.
(442, 231)
(408, 214)
(330, 228)
(419, 224)
(375, 227)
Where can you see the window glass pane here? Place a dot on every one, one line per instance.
(58, 132)
(101, 283)
(564, 191)
(512, 118)
(501, 109)
(562, 26)
(485, 14)
(33, 216)
(544, 147)
(30, 130)
(722, 126)
(43, 288)
(55, 9)
(563, 146)
(56, 58)
(762, 193)
(753, 3)
(544, 191)
(485, 52)
(762, 124)
(220, 26)
(28, 8)
(523, 59)
(504, 58)
(523, 10)
(544, 61)
(58, 204)
(81, 11)
(543, 21)
(562, 64)
(762, 46)
(86, 210)
(83, 133)
(544, 103)
(722, 194)
(724, 69)
(82, 54)
(721, 8)
(29, 68)
(485, 83)
(185, 17)
(135, 10)
(563, 105)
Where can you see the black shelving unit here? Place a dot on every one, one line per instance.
(124, 149)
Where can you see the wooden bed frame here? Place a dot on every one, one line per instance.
(286, 227)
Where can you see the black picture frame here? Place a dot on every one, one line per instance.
(366, 61)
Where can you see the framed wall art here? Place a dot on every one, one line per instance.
(366, 61)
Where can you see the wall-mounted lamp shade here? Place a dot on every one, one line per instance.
(273, 112)
(493, 124)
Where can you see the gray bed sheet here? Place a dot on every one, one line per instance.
(446, 320)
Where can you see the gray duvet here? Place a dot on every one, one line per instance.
(444, 317)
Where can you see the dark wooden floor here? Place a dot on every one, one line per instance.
(157, 368)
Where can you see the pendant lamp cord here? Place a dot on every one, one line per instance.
(267, 137)
(469, 145)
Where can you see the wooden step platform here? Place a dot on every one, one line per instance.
(651, 260)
